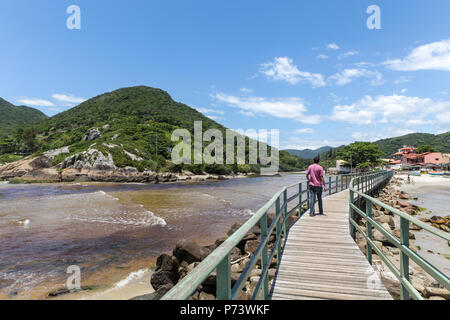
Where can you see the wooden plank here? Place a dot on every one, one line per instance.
(321, 260)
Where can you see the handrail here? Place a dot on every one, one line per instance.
(359, 186)
(220, 260)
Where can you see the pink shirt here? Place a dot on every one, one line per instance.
(316, 172)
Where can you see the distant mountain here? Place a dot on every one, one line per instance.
(440, 141)
(308, 153)
(12, 117)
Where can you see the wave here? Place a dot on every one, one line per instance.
(150, 219)
(107, 195)
(132, 276)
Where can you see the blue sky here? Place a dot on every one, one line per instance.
(311, 69)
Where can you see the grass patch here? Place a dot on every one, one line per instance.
(7, 158)
(26, 181)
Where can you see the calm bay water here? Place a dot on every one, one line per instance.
(110, 230)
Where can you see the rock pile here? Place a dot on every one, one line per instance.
(422, 282)
(187, 255)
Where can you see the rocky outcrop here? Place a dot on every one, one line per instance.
(92, 134)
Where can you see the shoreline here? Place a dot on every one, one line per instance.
(409, 198)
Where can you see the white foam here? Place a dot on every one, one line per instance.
(132, 276)
(158, 220)
(107, 195)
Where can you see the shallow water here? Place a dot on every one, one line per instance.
(110, 230)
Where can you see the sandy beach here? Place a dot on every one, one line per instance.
(136, 284)
(433, 194)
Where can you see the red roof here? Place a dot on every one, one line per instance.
(396, 162)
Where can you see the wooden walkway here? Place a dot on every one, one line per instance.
(321, 260)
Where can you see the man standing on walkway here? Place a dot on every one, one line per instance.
(315, 181)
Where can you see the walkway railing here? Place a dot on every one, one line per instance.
(358, 189)
(284, 203)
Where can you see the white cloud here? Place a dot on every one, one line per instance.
(304, 130)
(286, 108)
(246, 90)
(205, 110)
(431, 56)
(36, 102)
(364, 64)
(348, 54)
(322, 56)
(403, 111)
(68, 99)
(403, 90)
(402, 80)
(215, 118)
(332, 46)
(371, 136)
(283, 69)
(347, 76)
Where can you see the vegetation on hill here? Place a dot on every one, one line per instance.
(440, 142)
(426, 148)
(425, 142)
(135, 126)
(308, 153)
(11, 117)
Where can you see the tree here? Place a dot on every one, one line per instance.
(360, 152)
(426, 148)
(29, 140)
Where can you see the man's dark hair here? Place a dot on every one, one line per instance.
(317, 159)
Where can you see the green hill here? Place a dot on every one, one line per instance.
(308, 153)
(12, 117)
(134, 125)
(441, 142)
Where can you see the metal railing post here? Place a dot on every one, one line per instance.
(284, 213)
(369, 230)
(223, 279)
(404, 259)
(278, 233)
(264, 253)
(352, 227)
(337, 184)
(300, 213)
(329, 185)
(307, 197)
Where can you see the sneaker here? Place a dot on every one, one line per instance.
(311, 214)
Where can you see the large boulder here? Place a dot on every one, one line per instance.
(386, 219)
(161, 278)
(251, 246)
(189, 251)
(440, 292)
(391, 283)
(166, 262)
